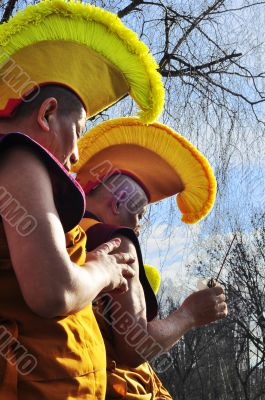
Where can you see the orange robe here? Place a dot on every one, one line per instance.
(69, 351)
(48, 359)
(139, 383)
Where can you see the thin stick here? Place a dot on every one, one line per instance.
(224, 260)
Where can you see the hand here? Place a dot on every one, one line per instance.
(205, 306)
(115, 267)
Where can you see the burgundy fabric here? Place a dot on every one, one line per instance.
(69, 197)
(100, 233)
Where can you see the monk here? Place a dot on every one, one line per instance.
(106, 217)
(51, 346)
(38, 280)
(116, 201)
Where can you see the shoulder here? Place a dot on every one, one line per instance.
(26, 166)
(98, 233)
(18, 153)
(19, 167)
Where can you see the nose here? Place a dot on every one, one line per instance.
(74, 156)
(137, 230)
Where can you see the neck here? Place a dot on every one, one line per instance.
(6, 128)
(9, 126)
(27, 126)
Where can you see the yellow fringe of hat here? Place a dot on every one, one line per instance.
(74, 33)
(161, 159)
(153, 277)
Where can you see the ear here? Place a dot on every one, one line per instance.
(115, 205)
(118, 201)
(47, 109)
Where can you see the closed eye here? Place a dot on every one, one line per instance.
(141, 216)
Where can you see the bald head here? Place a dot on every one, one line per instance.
(118, 200)
(68, 102)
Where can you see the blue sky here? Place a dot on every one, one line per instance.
(171, 245)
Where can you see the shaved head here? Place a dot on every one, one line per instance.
(125, 189)
(118, 200)
(68, 102)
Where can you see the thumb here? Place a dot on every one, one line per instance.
(109, 246)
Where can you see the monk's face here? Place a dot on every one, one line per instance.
(131, 212)
(135, 220)
(65, 132)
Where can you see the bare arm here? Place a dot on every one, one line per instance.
(200, 308)
(132, 311)
(50, 283)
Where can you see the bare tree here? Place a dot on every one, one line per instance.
(244, 328)
(210, 54)
(201, 55)
(203, 362)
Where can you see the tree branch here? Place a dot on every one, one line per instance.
(196, 21)
(129, 8)
(259, 3)
(9, 8)
(190, 69)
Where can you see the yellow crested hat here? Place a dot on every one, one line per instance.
(79, 46)
(153, 277)
(160, 159)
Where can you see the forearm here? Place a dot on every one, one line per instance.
(167, 332)
(78, 288)
(50, 283)
(200, 308)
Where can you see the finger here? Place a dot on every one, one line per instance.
(222, 307)
(124, 258)
(221, 310)
(123, 287)
(222, 314)
(220, 298)
(128, 272)
(217, 290)
(109, 246)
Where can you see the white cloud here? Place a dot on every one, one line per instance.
(170, 251)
